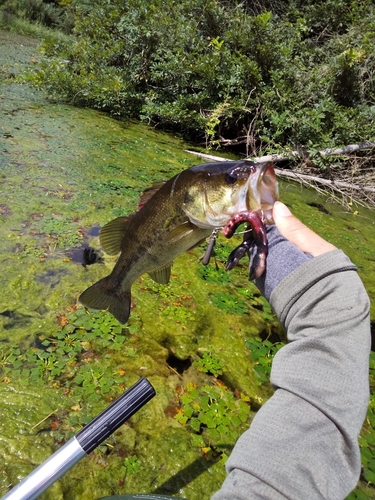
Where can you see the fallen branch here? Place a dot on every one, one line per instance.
(326, 182)
(207, 157)
(347, 149)
(298, 176)
(351, 148)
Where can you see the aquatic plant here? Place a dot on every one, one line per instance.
(53, 231)
(214, 414)
(262, 353)
(228, 303)
(209, 363)
(131, 465)
(69, 359)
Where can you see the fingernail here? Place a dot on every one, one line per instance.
(282, 209)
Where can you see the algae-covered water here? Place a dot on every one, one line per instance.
(64, 173)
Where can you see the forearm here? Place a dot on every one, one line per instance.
(303, 441)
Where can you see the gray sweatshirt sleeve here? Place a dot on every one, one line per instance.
(303, 443)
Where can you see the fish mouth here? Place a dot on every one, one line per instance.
(265, 189)
(245, 186)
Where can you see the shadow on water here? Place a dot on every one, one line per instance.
(185, 476)
(85, 255)
(14, 319)
(51, 277)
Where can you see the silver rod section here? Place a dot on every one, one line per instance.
(47, 473)
(86, 440)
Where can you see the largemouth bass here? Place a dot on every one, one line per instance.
(173, 219)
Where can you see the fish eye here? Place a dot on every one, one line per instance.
(230, 178)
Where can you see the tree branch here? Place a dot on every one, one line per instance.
(351, 148)
(298, 176)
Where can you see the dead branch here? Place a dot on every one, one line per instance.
(326, 182)
(298, 176)
(351, 148)
(347, 149)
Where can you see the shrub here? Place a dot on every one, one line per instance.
(215, 71)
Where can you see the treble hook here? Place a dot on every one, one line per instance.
(207, 254)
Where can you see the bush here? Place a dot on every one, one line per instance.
(298, 76)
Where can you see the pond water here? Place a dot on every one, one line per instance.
(64, 173)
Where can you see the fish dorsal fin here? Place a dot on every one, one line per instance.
(161, 275)
(149, 193)
(112, 233)
(180, 231)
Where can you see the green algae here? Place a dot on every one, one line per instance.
(67, 171)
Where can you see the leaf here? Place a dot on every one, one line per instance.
(370, 438)
(182, 419)
(188, 410)
(369, 476)
(371, 464)
(195, 424)
(197, 440)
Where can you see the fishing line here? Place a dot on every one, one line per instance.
(243, 232)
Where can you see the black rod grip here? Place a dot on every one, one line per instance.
(115, 415)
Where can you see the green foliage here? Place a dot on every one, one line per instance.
(58, 14)
(214, 414)
(267, 312)
(228, 303)
(359, 495)
(178, 313)
(60, 230)
(238, 299)
(367, 441)
(70, 359)
(178, 308)
(211, 69)
(132, 465)
(262, 353)
(209, 363)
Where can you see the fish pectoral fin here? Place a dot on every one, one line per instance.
(101, 295)
(112, 233)
(180, 231)
(161, 275)
(200, 242)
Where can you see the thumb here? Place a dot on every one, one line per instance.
(297, 233)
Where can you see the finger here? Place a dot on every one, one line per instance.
(297, 233)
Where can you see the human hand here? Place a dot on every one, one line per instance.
(290, 245)
(297, 233)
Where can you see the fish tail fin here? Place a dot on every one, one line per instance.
(101, 295)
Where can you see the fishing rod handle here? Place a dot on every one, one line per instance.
(115, 415)
(88, 438)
